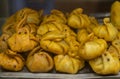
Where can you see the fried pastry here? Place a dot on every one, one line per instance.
(3, 42)
(49, 26)
(59, 41)
(55, 15)
(73, 46)
(113, 49)
(115, 14)
(8, 26)
(54, 42)
(32, 16)
(83, 36)
(106, 31)
(22, 40)
(118, 35)
(93, 23)
(92, 49)
(71, 40)
(77, 19)
(106, 64)
(67, 64)
(116, 45)
(11, 61)
(39, 61)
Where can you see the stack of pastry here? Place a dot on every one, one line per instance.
(56, 37)
(61, 42)
(95, 42)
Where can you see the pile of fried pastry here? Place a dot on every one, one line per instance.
(60, 41)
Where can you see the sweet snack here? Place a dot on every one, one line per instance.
(115, 14)
(55, 15)
(49, 26)
(32, 16)
(106, 64)
(22, 40)
(106, 31)
(93, 23)
(92, 49)
(39, 61)
(54, 43)
(11, 60)
(3, 42)
(77, 19)
(83, 36)
(67, 64)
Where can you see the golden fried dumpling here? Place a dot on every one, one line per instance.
(32, 28)
(8, 26)
(92, 49)
(3, 42)
(107, 63)
(113, 49)
(55, 15)
(106, 31)
(118, 35)
(32, 15)
(77, 19)
(39, 61)
(54, 42)
(70, 39)
(24, 16)
(9, 29)
(115, 14)
(49, 26)
(11, 61)
(22, 40)
(73, 46)
(67, 31)
(83, 36)
(67, 64)
(116, 45)
(93, 23)
(59, 40)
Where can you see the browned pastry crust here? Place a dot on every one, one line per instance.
(67, 64)
(39, 61)
(11, 61)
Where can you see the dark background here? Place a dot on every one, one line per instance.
(8, 7)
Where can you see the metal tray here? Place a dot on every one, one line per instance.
(85, 73)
